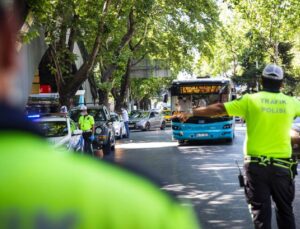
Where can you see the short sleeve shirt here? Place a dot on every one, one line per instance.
(269, 117)
(125, 115)
(86, 122)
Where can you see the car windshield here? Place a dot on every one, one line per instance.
(144, 114)
(53, 128)
(98, 114)
(114, 117)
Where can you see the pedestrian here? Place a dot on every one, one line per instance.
(125, 118)
(42, 187)
(87, 125)
(269, 167)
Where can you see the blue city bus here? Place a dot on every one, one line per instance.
(189, 94)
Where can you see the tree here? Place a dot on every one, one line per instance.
(274, 20)
(252, 34)
(67, 22)
(145, 89)
(167, 29)
(169, 32)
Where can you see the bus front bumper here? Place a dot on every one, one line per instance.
(205, 135)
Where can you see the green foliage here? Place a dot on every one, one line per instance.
(148, 88)
(252, 34)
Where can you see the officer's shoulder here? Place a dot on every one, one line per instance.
(243, 97)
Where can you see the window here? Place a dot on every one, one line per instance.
(152, 115)
(114, 117)
(53, 128)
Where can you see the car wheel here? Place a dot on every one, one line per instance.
(163, 126)
(121, 134)
(107, 148)
(113, 144)
(147, 126)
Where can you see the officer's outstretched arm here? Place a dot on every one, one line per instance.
(217, 109)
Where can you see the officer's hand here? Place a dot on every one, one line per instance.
(183, 117)
(92, 138)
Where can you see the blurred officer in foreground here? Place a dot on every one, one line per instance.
(42, 188)
(269, 168)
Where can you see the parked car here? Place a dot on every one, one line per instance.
(119, 126)
(146, 120)
(104, 130)
(167, 116)
(60, 131)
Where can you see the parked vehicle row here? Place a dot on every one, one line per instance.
(62, 129)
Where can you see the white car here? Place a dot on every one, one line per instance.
(119, 126)
(146, 120)
(61, 131)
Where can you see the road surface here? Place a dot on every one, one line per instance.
(205, 174)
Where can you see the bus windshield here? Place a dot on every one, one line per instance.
(185, 103)
(187, 95)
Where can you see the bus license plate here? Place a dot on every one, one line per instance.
(202, 135)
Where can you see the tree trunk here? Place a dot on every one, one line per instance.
(107, 74)
(69, 88)
(123, 94)
(64, 99)
(103, 97)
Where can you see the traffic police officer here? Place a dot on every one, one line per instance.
(87, 125)
(44, 188)
(269, 168)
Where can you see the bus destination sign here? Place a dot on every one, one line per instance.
(200, 89)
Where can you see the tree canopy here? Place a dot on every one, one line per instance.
(113, 33)
(252, 34)
(232, 38)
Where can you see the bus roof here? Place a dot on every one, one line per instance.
(203, 80)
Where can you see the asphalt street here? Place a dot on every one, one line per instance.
(204, 174)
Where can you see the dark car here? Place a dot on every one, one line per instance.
(104, 130)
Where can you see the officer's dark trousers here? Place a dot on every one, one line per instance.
(88, 148)
(264, 182)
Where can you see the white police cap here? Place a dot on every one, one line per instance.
(273, 71)
(83, 108)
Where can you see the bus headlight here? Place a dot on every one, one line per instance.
(176, 127)
(98, 130)
(227, 126)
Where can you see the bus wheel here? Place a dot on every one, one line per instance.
(229, 140)
(180, 142)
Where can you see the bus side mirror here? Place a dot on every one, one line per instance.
(233, 97)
